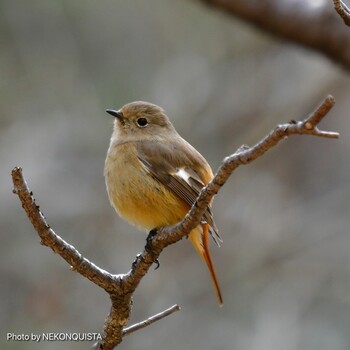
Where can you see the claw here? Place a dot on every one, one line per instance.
(138, 257)
(156, 261)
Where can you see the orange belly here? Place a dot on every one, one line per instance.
(150, 207)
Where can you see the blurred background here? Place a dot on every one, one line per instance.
(284, 265)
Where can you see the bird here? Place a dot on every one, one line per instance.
(153, 176)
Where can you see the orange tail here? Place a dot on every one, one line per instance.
(200, 239)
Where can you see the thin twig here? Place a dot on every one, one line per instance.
(150, 320)
(343, 11)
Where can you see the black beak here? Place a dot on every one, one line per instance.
(116, 114)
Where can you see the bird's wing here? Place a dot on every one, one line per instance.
(175, 170)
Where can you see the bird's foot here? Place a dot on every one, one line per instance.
(148, 246)
(136, 261)
(149, 239)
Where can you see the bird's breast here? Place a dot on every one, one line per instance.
(136, 195)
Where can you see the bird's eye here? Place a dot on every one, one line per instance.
(142, 122)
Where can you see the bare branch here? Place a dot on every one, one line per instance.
(50, 239)
(343, 11)
(244, 155)
(120, 293)
(151, 320)
(120, 310)
(121, 287)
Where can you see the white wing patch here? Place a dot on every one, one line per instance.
(183, 174)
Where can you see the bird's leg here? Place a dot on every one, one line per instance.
(148, 246)
(149, 239)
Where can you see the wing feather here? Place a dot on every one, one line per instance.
(175, 172)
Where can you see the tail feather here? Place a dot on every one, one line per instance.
(200, 239)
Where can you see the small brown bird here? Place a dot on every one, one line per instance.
(153, 176)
